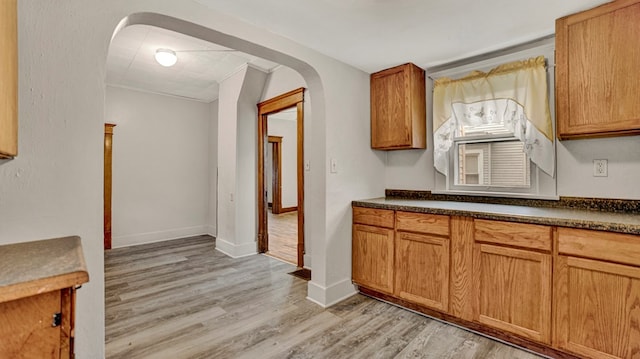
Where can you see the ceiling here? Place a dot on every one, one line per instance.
(196, 75)
(368, 34)
(376, 34)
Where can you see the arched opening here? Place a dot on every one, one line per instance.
(310, 76)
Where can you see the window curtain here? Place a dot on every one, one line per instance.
(512, 95)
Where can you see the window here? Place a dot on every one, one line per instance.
(493, 132)
(492, 164)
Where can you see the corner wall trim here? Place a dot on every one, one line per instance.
(236, 250)
(328, 296)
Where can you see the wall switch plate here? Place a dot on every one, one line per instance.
(307, 165)
(334, 165)
(230, 197)
(600, 168)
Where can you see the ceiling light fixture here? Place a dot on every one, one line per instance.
(166, 57)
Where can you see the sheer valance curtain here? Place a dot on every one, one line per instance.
(513, 96)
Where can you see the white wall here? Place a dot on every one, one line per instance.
(54, 187)
(575, 167)
(237, 131)
(287, 129)
(227, 131)
(212, 218)
(160, 166)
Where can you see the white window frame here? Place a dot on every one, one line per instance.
(542, 186)
(480, 173)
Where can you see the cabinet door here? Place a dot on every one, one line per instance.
(398, 108)
(597, 308)
(513, 290)
(390, 117)
(26, 330)
(372, 257)
(422, 269)
(597, 62)
(8, 79)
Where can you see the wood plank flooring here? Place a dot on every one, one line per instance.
(184, 299)
(283, 236)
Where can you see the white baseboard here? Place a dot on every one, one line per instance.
(236, 250)
(212, 231)
(150, 237)
(307, 261)
(328, 296)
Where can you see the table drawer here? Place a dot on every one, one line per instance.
(523, 235)
(422, 223)
(373, 217)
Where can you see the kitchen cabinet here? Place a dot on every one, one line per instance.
(512, 286)
(422, 259)
(373, 249)
(597, 294)
(597, 62)
(8, 79)
(398, 108)
(38, 282)
(553, 288)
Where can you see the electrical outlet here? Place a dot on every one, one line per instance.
(600, 168)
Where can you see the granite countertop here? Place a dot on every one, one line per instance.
(564, 217)
(36, 267)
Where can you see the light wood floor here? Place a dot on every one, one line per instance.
(283, 236)
(184, 299)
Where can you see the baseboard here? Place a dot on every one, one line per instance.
(328, 296)
(307, 260)
(212, 231)
(151, 237)
(287, 209)
(236, 250)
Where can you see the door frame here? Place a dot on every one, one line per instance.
(276, 183)
(107, 183)
(294, 98)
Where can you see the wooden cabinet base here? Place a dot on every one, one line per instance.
(481, 329)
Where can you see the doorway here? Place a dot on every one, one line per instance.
(287, 229)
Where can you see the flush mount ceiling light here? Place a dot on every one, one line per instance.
(166, 57)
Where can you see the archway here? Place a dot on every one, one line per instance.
(309, 74)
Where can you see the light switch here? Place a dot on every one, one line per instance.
(334, 165)
(307, 165)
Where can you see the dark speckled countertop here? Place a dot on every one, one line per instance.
(622, 222)
(37, 267)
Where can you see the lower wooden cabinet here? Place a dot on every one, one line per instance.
(372, 257)
(512, 290)
(39, 326)
(597, 308)
(502, 278)
(597, 301)
(422, 269)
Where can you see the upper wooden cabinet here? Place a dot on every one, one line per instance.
(8, 79)
(398, 111)
(597, 66)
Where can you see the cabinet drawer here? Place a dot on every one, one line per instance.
(615, 247)
(373, 217)
(422, 223)
(513, 234)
